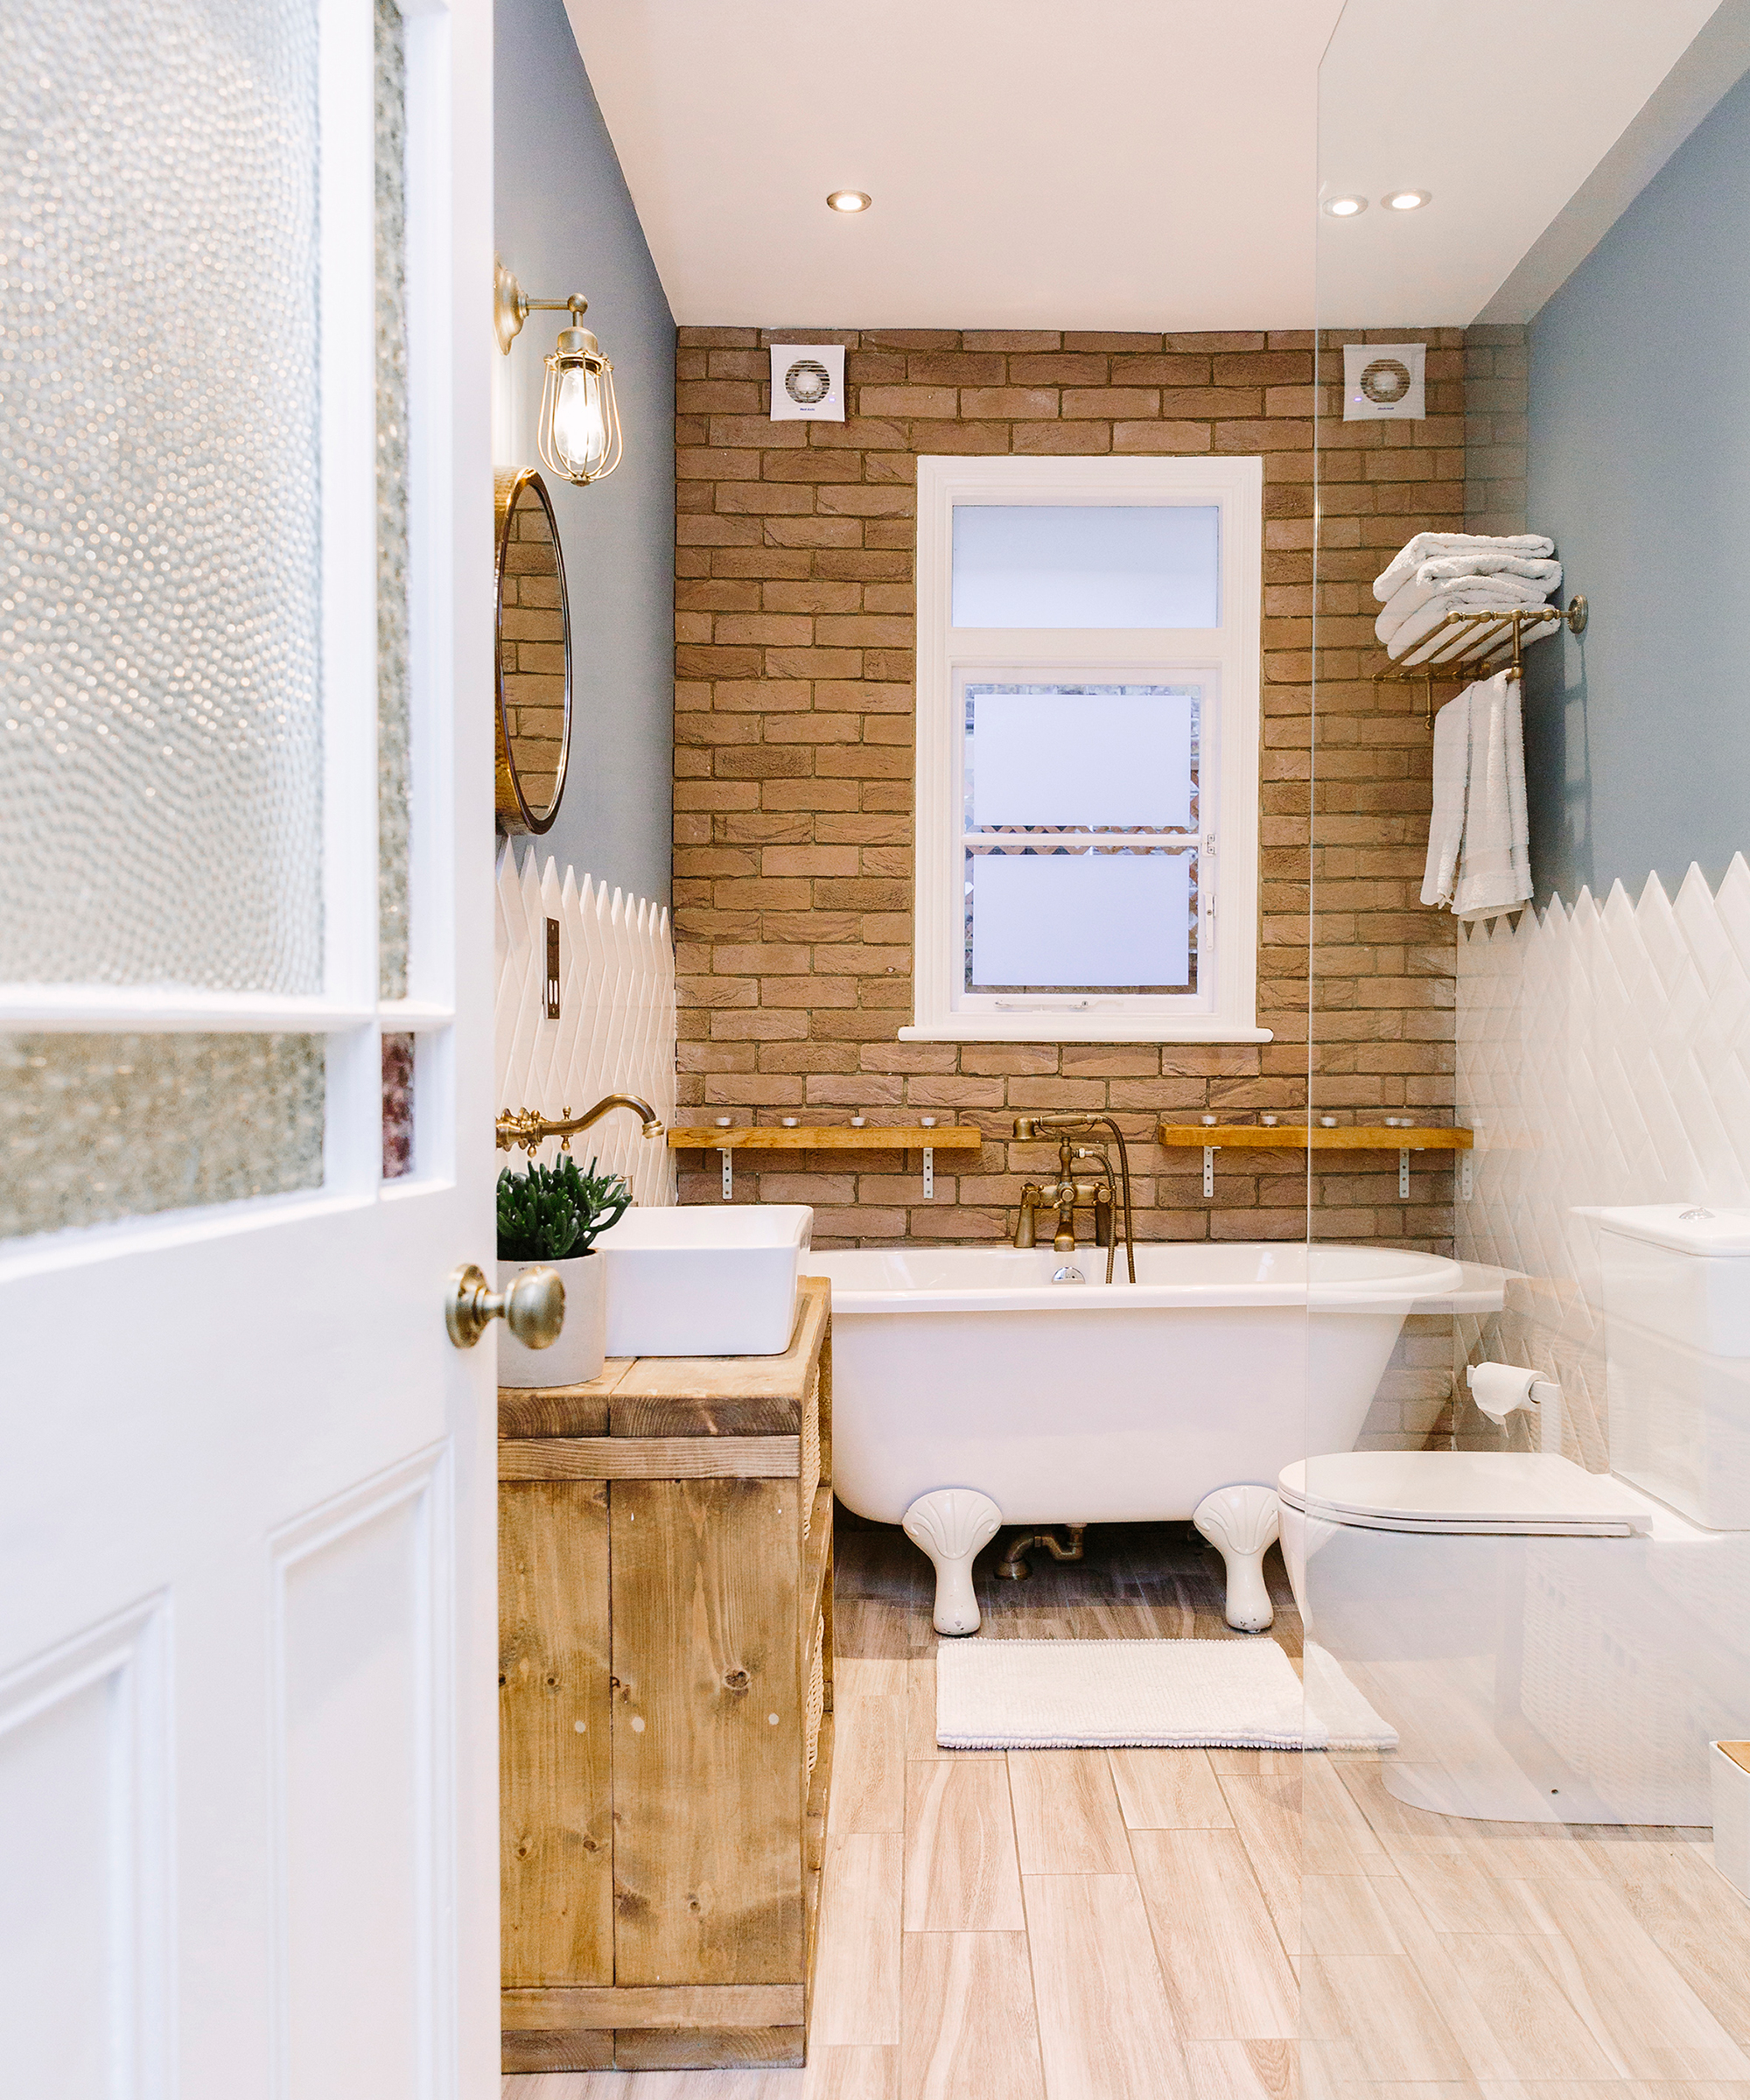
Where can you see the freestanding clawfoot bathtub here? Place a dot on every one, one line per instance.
(970, 1391)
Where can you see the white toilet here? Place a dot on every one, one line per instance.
(1551, 1644)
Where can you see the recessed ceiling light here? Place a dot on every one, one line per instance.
(848, 200)
(1345, 208)
(1405, 201)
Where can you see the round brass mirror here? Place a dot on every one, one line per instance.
(534, 654)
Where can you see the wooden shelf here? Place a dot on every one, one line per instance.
(828, 1138)
(1295, 1137)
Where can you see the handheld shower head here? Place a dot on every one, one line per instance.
(1028, 1127)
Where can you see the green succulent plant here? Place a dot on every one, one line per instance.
(550, 1214)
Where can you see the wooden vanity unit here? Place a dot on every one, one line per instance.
(665, 1703)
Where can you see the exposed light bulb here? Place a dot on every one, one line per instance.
(580, 428)
(578, 435)
(1345, 208)
(848, 200)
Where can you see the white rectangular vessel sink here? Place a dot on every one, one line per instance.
(706, 1280)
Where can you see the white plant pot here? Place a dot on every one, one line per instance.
(577, 1356)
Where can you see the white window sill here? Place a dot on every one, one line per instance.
(1083, 1028)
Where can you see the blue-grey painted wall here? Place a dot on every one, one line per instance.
(565, 222)
(1638, 737)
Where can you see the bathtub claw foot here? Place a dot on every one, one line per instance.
(951, 1524)
(1241, 1523)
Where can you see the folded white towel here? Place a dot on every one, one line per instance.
(1430, 546)
(1471, 594)
(1407, 598)
(1451, 775)
(1495, 860)
(1449, 571)
(1447, 568)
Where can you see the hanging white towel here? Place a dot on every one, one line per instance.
(1495, 860)
(1451, 776)
(1431, 546)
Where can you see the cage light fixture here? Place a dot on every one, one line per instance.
(578, 434)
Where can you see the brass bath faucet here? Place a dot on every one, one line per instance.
(1067, 1194)
(529, 1128)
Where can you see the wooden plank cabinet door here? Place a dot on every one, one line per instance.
(555, 1734)
(708, 1728)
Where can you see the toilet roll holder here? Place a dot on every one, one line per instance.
(1543, 1395)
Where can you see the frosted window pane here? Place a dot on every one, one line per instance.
(1080, 565)
(95, 1127)
(393, 693)
(160, 723)
(1104, 757)
(1080, 921)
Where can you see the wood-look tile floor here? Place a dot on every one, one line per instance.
(1220, 1925)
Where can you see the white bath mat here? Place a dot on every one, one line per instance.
(1067, 1695)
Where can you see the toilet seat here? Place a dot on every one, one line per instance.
(1456, 1493)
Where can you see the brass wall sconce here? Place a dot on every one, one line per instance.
(578, 435)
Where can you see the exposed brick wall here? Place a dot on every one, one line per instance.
(793, 763)
(1497, 407)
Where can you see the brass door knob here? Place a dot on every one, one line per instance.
(533, 1308)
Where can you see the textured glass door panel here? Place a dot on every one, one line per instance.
(394, 694)
(1092, 920)
(160, 724)
(96, 1127)
(1086, 565)
(399, 1052)
(1115, 758)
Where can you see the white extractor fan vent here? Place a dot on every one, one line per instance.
(808, 380)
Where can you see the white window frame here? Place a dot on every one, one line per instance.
(1224, 1007)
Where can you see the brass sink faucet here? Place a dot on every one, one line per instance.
(529, 1128)
(1067, 1194)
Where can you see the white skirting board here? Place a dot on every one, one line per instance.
(615, 1034)
(1051, 1695)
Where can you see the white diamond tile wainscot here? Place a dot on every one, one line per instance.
(1603, 1052)
(615, 1034)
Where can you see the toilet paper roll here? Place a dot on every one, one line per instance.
(1499, 1388)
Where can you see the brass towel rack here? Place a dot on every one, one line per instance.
(1467, 646)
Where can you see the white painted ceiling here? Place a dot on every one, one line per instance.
(1500, 108)
(1108, 163)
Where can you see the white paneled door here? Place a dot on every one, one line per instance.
(248, 1752)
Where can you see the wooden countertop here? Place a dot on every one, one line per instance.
(680, 1396)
